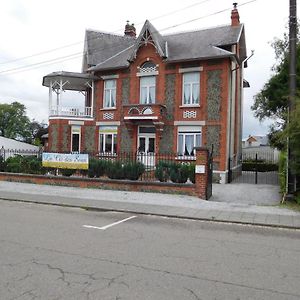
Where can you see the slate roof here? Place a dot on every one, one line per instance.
(107, 51)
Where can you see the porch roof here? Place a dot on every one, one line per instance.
(71, 80)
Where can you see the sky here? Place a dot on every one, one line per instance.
(40, 37)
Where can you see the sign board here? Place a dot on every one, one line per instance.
(65, 161)
(200, 169)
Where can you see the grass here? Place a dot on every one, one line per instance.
(293, 205)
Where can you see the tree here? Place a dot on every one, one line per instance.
(13, 121)
(36, 131)
(272, 100)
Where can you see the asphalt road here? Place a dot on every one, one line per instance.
(63, 253)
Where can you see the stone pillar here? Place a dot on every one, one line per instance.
(202, 173)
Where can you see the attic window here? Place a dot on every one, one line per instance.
(148, 68)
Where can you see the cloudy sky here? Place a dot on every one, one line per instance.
(40, 37)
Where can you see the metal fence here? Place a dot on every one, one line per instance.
(148, 163)
(257, 168)
(6, 153)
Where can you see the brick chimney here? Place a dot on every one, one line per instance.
(130, 30)
(235, 17)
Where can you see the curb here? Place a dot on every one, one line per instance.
(213, 219)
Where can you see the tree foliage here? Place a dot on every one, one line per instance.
(272, 100)
(14, 123)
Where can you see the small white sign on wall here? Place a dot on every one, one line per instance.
(200, 169)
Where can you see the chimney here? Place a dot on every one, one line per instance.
(235, 17)
(130, 30)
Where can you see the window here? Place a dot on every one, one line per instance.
(147, 90)
(188, 138)
(191, 88)
(75, 139)
(109, 96)
(108, 139)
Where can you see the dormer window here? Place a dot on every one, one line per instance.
(147, 82)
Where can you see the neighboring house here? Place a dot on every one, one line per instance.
(255, 141)
(10, 144)
(257, 146)
(154, 93)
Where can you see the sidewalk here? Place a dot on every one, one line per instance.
(178, 206)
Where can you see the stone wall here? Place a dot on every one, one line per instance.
(213, 138)
(126, 140)
(170, 96)
(89, 139)
(167, 140)
(214, 89)
(125, 90)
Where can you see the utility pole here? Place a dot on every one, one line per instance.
(292, 84)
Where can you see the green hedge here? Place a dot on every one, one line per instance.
(24, 164)
(259, 166)
(282, 171)
(176, 172)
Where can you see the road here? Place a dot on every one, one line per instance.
(49, 252)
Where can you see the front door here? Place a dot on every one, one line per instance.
(146, 146)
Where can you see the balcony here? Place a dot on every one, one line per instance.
(144, 112)
(70, 111)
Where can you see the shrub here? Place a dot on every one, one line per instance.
(191, 169)
(67, 172)
(115, 170)
(162, 171)
(282, 171)
(2, 164)
(133, 170)
(179, 173)
(259, 166)
(24, 164)
(97, 167)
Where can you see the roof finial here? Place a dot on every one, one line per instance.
(235, 5)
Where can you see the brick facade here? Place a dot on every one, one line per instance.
(218, 113)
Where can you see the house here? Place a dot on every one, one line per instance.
(258, 146)
(154, 93)
(11, 144)
(255, 141)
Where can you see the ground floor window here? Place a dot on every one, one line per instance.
(188, 138)
(108, 139)
(75, 139)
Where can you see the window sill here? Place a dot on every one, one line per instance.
(108, 108)
(190, 106)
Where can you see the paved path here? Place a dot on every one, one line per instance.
(180, 206)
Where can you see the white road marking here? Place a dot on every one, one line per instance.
(109, 225)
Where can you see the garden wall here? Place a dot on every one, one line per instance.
(111, 184)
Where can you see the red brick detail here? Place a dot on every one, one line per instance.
(136, 186)
(201, 180)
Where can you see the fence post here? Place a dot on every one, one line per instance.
(201, 172)
(256, 168)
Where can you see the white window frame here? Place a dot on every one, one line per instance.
(110, 91)
(188, 131)
(75, 130)
(191, 84)
(114, 138)
(147, 86)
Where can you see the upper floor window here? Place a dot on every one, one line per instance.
(147, 82)
(191, 88)
(147, 89)
(109, 96)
